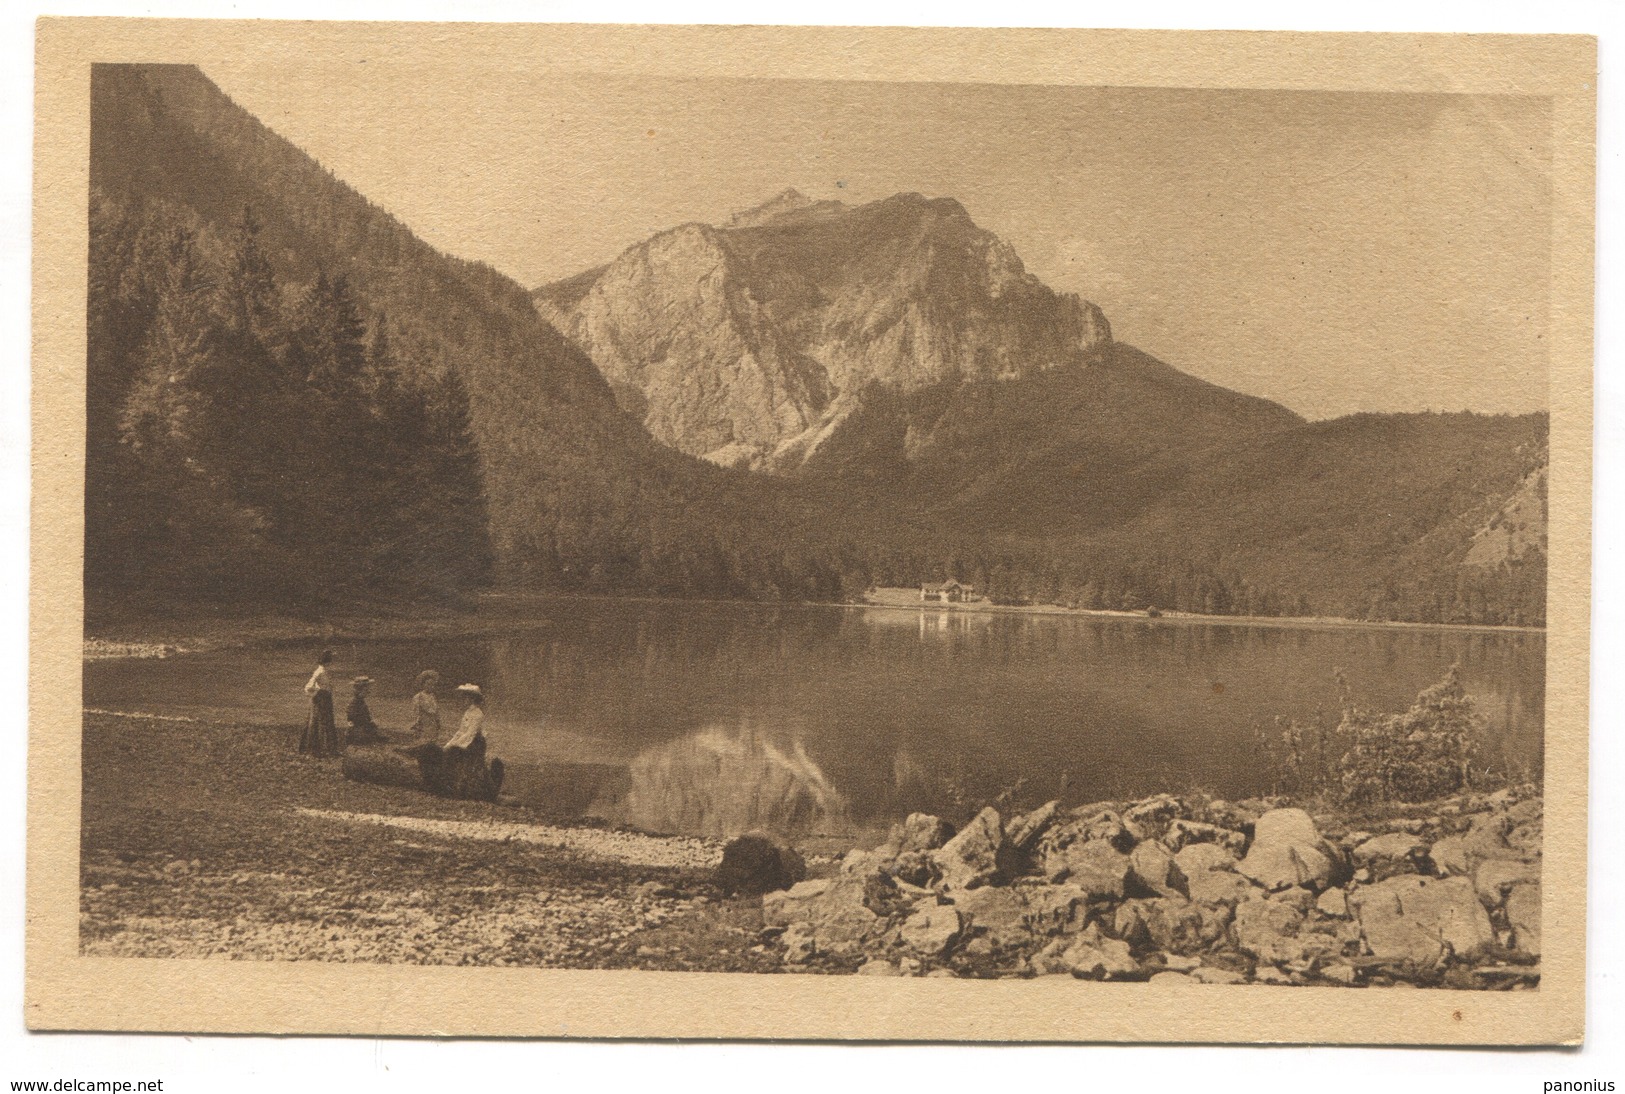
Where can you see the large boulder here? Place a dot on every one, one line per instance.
(1092, 956)
(1175, 925)
(1269, 930)
(843, 918)
(1054, 909)
(931, 929)
(920, 833)
(995, 912)
(1450, 857)
(1128, 923)
(1094, 865)
(1523, 916)
(1414, 918)
(1150, 818)
(797, 904)
(978, 855)
(1024, 832)
(1198, 857)
(758, 862)
(1207, 874)
(1219, 887)
(1333, 903)
(1183, 833)
(1181, 926)
(1287, 850)
(835, 914)
(1495, 878)
(1151, 867)
(1392, 854)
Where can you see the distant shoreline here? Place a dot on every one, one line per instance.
(156, 636)
(1304, 621)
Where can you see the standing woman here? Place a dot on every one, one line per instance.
(321, 736)
(428, 724)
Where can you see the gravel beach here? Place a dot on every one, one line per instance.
(202, 839)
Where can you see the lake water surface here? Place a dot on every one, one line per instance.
(717, 718)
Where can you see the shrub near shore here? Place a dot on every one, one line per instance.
(1428, 751)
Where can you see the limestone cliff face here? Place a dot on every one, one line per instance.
(748, 344)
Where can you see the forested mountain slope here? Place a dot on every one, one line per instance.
(196, 206)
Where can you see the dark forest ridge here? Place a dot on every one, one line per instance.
(326, 406)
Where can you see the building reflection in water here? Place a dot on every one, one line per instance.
(723, 781)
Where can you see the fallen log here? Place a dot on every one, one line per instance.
(383, 765)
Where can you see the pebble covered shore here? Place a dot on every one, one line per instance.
(205, 840)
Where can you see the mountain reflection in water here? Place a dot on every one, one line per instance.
(723, 781)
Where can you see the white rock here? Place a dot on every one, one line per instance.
(1287, 850)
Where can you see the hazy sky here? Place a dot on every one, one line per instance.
(1335, 252)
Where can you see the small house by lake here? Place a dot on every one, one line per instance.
(948, 592)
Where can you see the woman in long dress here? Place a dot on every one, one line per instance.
(321, 735)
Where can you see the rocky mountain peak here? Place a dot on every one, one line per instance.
(748, 343)
(783, 202)
(787, 205)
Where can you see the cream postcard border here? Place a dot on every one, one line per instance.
(65, 990)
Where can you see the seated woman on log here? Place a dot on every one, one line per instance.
(363, 730)
(459, 770)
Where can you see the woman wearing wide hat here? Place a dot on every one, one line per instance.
(459, 770)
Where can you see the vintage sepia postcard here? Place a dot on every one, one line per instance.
(774, 532)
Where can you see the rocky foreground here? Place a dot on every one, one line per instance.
(1172, 891)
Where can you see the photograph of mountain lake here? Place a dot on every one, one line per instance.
(603, 521)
